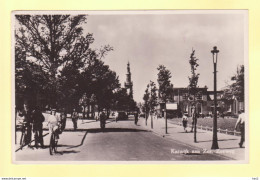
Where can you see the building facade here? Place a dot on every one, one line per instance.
(204, 102)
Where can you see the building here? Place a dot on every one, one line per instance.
(204, 101)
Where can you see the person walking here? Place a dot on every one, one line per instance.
(136, 118)
(74, 118)
(63, 118)
(96, 114)
(116, 116)
(102, 119)
(241, 124)
(184, 121)
(38, 119)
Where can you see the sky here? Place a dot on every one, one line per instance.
(148, 40)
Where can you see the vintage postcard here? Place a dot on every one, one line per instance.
(130, 86)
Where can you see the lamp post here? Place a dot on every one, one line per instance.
(215, 137)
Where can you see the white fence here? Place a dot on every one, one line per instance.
(206, 128)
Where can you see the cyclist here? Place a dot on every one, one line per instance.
(53, 122)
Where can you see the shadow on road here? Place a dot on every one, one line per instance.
(218, 140)
(233, 148)
(98, 130)
(88, 121)
(68, 152)
(82, 141)
(188, 132)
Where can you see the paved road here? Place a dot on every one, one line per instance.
(121, 141)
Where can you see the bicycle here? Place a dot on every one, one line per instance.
(54, 140)
(24, 136)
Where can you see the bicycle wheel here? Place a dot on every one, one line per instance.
(55, 141)
(22, 140)
(52, 144)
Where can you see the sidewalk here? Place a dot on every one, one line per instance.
(228, 144)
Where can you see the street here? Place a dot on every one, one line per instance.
(121, 141)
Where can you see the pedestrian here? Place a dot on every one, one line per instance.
(96, 114)
(63, 118)
(241, 124)
(194, 118)
(136, 118)
(184, 121)
(116, 116)
(38, 119)
(27, 121)
(102, 118)
(74, 118)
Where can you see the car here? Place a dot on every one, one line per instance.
(122, 115)
(142, 115)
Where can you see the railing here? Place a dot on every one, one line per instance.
(206, 128)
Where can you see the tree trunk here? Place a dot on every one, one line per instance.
(84, 107)
(88, 112)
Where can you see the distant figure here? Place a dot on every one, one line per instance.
(136, 118)
(63, 118)
(75, 117)
(96, 116)
(184, 121)
(241, 123)
(116, 116)
(38, 119)
(102, 119)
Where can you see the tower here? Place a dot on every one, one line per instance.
(129, 83)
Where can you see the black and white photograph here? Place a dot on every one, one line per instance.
(166, 86)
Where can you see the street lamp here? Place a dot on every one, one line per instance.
(215, 137)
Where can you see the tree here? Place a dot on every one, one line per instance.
(98, 79)
(84, 101)
(30, 80)
(146, 98)
(53, 42)
(153, 100)
(235, 89)
(193, 80)
(150, 100)
(57, 44)
(165, 86)
(238, 87)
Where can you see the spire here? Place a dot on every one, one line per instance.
(129, 83)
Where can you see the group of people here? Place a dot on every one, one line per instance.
(240, 124)
(33, 124)
(194, 118)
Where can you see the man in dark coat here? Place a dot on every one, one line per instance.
(63, 118)
(75, 117)
(38, 119)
